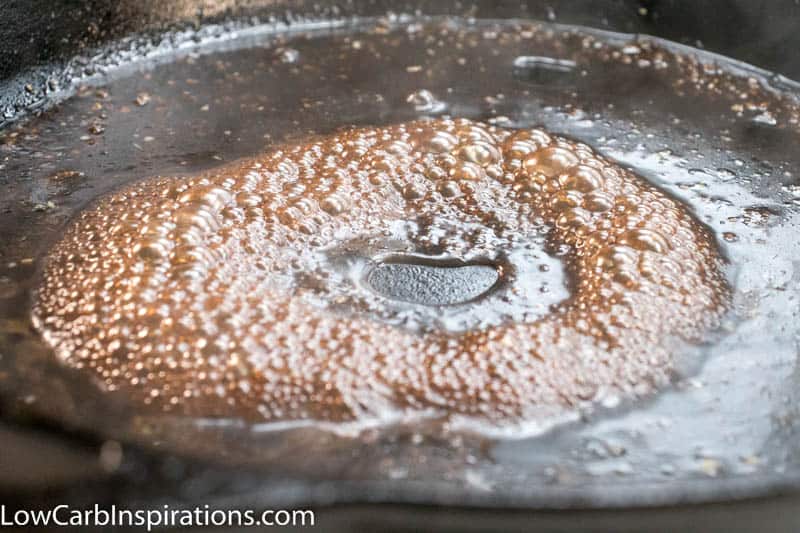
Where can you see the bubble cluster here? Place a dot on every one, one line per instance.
(191, 294)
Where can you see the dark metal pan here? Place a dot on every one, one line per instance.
(719, 452)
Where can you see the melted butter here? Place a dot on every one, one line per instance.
(204, 294)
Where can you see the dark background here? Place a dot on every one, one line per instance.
(39, 36)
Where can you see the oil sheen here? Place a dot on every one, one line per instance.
(496, 222)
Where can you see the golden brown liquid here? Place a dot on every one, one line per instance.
(186, 293)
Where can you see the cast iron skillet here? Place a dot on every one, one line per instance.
(45, 43)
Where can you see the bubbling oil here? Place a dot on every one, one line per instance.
(217, 294)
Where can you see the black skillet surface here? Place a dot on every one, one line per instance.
(42, 57)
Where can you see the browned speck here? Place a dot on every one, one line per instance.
(142, 99)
